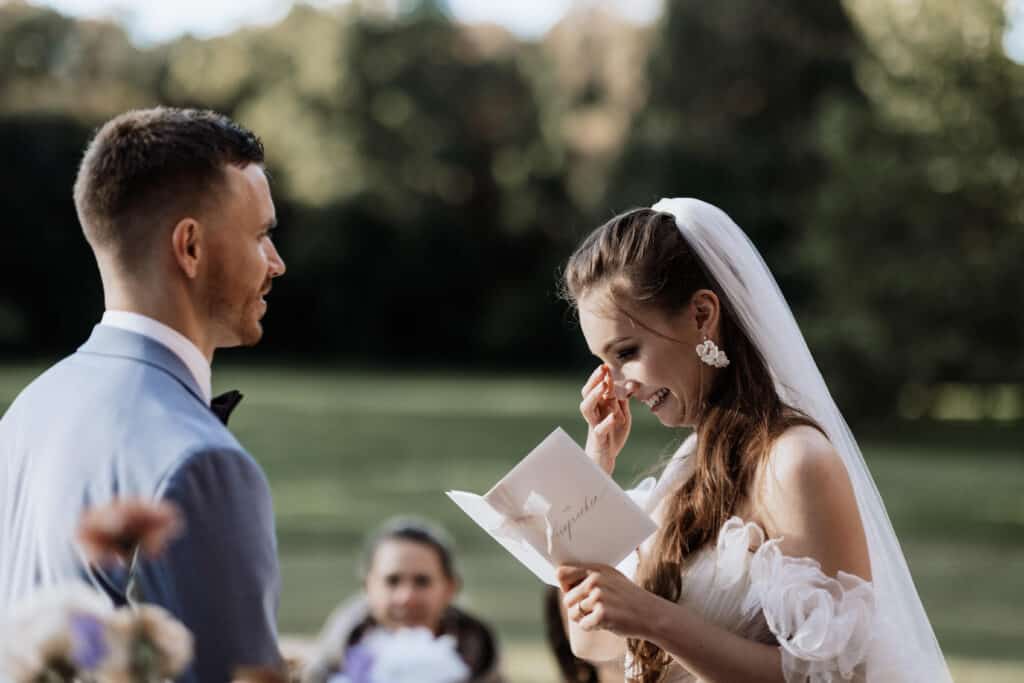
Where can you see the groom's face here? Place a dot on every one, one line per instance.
(243, 260)
(407, 586)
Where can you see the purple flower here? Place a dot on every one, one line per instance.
(358, 664)
(88, 641)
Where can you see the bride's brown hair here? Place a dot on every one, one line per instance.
(642, 258)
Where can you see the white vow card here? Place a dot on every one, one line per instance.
(558, 507)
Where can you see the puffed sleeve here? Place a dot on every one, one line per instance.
(824, 625)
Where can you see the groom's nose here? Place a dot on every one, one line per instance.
(277, 266)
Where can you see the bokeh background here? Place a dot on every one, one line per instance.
(433, 165)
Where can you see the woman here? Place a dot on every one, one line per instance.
(775, 559)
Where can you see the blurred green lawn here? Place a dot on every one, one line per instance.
(345, 450)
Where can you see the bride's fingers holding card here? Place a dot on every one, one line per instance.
(606, 599)
(591, 601)
(579, 587)
(569, 576)
(595, 619)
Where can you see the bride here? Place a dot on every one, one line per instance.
(775, 559)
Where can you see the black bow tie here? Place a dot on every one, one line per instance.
(225, 403)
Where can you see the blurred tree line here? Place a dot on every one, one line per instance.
(431, 177)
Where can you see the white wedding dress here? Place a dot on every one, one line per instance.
(828, 629)
(825, 627)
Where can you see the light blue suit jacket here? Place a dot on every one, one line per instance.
(124, 417)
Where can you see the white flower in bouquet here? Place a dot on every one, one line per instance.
(147, 644)
(51, 630)
(71, 632)
(169, 636)
(408, 655)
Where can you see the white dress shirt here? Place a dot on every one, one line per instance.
(181, 345)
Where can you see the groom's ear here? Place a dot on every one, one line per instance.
(187, 245)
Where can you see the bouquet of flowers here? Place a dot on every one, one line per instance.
(408, 655)
(71, 633)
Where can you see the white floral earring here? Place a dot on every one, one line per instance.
(710, 354)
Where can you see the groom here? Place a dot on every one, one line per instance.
(176, 207)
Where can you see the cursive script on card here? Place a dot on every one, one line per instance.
(556, 506)
(576, 514)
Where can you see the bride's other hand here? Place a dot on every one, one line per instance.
(597, 596)
(608, 419)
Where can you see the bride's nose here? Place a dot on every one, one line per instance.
(624, 390)
(622, 387)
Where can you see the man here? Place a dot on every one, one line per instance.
(410, 581)
(176, 207)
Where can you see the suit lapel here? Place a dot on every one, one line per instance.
(117, 343)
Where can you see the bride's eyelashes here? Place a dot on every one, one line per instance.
(626, 353)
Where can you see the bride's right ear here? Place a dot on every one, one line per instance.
(706, 309)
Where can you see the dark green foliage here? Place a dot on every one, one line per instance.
(50, 292)
(422, 172)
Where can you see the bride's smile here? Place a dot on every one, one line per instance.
(686, 318)
(650, 354)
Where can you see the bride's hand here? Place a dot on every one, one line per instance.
(608, 419)
(597, 596)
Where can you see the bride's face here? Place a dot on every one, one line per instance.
(651, 354)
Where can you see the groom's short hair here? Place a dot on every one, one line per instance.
(145, 170)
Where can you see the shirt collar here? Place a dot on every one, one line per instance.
(181, 345)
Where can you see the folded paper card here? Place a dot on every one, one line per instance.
(558, 507)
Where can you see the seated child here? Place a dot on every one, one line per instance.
(409, 581)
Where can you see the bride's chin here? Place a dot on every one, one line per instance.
(675, 423)
(672, 418)
(683, 419)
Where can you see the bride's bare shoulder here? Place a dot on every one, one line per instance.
(804, 495)
(803, 456)
(801, 464)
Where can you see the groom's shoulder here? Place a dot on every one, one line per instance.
(137, 393)
(77, 375)
(218, 461)
(217, 478)
(194, 442)
(125, 406)
(41, 385)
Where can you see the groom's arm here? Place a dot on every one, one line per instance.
(223, 571)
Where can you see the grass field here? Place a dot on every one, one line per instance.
(345, 450)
